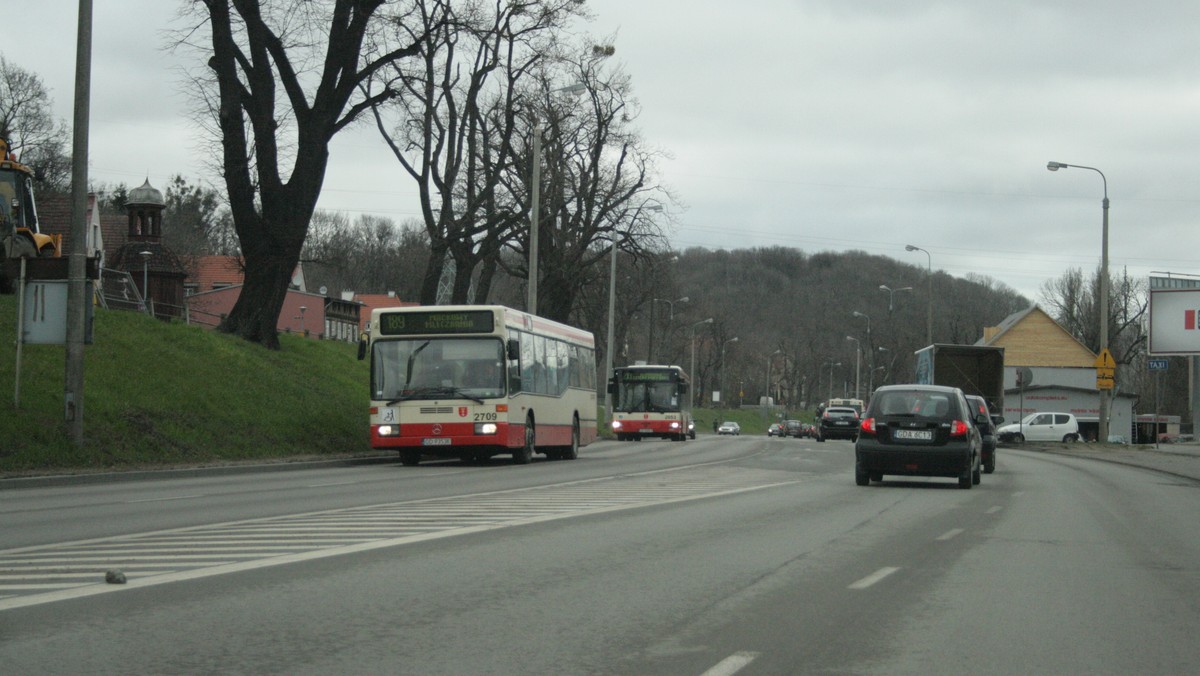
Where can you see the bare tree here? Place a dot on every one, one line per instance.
(1072, 300)
(33, 133)
(452, 128)
(195, 219)
(600, 184)
(285, 66)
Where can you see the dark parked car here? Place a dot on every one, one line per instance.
(838, 422)
(919, 430)
(987, 431)
(794, 428)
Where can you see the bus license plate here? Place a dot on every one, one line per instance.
(646, 430)
(918, 435)
(436, 441)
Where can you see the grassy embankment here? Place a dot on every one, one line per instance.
(162, 394)
(159, 393)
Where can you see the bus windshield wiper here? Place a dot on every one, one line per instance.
(457, 392)
(428, 392)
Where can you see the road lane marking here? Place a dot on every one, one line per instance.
(995, 509)
(732, 664)
(201, 551)
(953, 532)
(873, 578)
(176, 497)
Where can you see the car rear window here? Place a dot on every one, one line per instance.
(916, 404)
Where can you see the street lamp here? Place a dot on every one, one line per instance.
(722, 382)
(1105, 393)
(146, 279)
(769, 372)
(612, 302)
(535, 199)
(870, 354)
(303, 332)
(929, 311)
(892, 294)
(670, 318)
(692, 372)
(857, 362)
(831, 366)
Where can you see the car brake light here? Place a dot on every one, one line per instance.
(868, 426)
(958, 428)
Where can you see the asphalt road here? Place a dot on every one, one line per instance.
(731, 555)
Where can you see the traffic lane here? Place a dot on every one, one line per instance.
(578, 595)
(1092, 570)
(46, 515)
(1051, 565)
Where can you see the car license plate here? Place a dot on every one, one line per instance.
(436, 441)
(917, 435)
(843, 423)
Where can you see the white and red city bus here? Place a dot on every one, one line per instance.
(472, 381)
(651, 401)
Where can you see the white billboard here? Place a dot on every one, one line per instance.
(1174, 322)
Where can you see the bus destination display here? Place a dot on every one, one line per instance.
(647, 376)
(419, 323)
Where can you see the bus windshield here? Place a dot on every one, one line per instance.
(436, 368)
(647, 396)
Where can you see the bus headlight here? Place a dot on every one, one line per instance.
(485, 428)
(674, 425)
(389, 430)
(616, 425)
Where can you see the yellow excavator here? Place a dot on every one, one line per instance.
(19, 231)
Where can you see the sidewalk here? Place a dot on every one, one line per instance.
(1181, 460)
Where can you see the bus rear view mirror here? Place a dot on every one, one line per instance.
(513, 348)
(362, 347)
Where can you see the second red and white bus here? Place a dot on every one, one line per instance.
(651, 401)
(473, 381)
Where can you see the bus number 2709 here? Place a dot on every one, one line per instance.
(485, 417)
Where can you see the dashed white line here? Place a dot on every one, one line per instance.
(732, 664)
(953, 532)
(176, 497)
(873, 578)
(995, 509)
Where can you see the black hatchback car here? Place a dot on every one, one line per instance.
(838, 422)
(987, 432)
(919, 430)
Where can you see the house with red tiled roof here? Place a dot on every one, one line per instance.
(216, 282)
(105, 231)
(372, 301)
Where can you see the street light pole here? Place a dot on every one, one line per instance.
(892, 295)
(612, 308)
(831, 366)
(929, 311)
(1105, 394)
(146, 279)
(870, 351)
(535, 205)
(857, 362)
(721, 381)
(692, 372)
(670, 319)
(768, 397)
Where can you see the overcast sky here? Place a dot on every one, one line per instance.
(824, 125)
